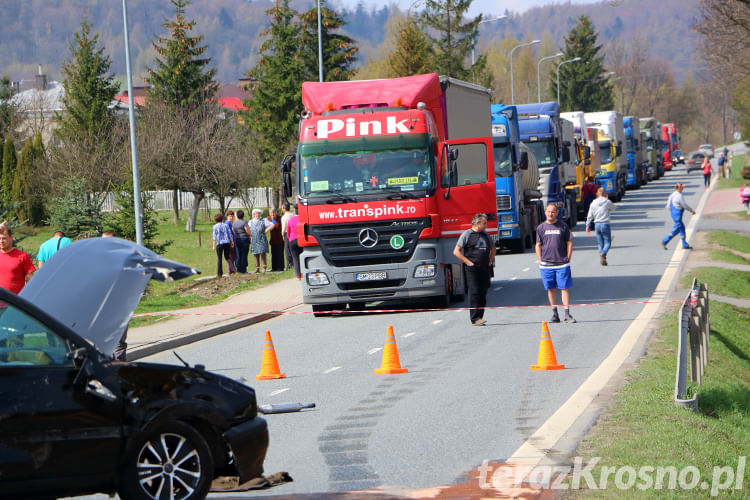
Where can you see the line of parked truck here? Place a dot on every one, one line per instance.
(388, 173)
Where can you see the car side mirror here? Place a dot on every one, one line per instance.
(565, 155)
(524, 164)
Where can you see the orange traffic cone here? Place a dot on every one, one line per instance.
(391, 364)
(270, 367)
(547, 359)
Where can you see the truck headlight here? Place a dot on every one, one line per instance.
(317, 279)
(425, 271)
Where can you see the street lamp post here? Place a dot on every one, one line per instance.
(512, 89)
(320, 47)
(499, 18)
(133, 148)
(538, 79)
(558, 74)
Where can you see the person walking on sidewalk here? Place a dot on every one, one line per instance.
(599, 216)
(745, 197)
(554, 247)
(677, 205)
(707, 170)
(222, 242)
(477, 252)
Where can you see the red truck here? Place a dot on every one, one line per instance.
(387, 175)
(671, 142)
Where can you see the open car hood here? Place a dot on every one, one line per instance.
(94, 285)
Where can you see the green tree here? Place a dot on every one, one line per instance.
(339, 51)
(10, 161)
(74, 211)
(453, 38)
(8, 110)
(413, 53)
(275, 105)
(122, 220)
(581, 85)
(25, 193)
(180, 76)
(88, 89)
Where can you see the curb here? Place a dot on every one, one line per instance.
(157, 347)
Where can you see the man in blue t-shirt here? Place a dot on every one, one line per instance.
(554, 246)
(51, 247)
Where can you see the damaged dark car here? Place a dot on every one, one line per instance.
(73, 421)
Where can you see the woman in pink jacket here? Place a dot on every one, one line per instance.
(745, 197)
(291, 236)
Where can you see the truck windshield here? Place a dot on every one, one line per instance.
(544, 151)
(606, 151)
(503, 163)
(365, 165)
(629, 146)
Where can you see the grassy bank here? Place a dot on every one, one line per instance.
(736, 180)
(643, 427)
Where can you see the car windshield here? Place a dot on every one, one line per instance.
(503, 163)
(544, 151)
(606, 151)
(365, 165)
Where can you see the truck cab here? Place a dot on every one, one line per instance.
(606, 176)
(582, 156)
(616, 167)
(650, 141)
(551, 139)
(636, 172)
(519, 208)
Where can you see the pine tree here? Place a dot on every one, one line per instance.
(24, 194)
(74, 212)
(581, 85)
(339, 51)
(180, 77)
(122, 220)
(275, 105)
(455, 39)
(413, 53)
(10, 161)
(88, 91)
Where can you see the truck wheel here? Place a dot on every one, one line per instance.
(321, 309)
(173, 461)
(573, 213)
(516, 246)
(444, 301)
(459, 292)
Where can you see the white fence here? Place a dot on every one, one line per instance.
(162, 200)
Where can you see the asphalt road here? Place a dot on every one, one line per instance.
(469, 395)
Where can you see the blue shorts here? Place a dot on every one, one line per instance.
(558, 277)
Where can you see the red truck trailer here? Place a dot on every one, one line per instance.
(387, 175)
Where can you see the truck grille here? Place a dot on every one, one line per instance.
(503, 202)
(340, 243)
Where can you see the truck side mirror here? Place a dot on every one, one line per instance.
(286, 175)
(618, 150)
(566, 144)
(587, 153)
(565, 155)
(524, 163)
(453, 154)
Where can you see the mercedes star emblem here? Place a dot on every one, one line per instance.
(368, 238)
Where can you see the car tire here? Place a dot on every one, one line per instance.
(188, 471)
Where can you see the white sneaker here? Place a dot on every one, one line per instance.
(479, 322)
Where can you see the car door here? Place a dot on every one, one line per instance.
(50, 428)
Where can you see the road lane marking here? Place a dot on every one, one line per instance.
(437, 321)
(525, 269)
(409, 334)
(277, 392)
(374, 350)
(536, 448)
(497, 288)
(332, 369)
(514, 278)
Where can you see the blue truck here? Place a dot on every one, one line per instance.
(636, 168)
(519, 204)
(551, 138)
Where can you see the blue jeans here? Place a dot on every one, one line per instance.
(603, 237)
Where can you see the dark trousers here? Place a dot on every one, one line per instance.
(222, 249)
(295, 251)
(706, 180)
(479, 283)
(242, 248)
(288, 253)
(277, 257)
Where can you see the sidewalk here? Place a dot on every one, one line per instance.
(198, 323)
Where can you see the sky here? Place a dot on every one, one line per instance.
(477, 7)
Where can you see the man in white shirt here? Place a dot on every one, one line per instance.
(677, 205)
(599, 216)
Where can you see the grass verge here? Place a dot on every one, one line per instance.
(729, 256)
(645, 428)
(727, 282)
(736, 180)
(730, 240)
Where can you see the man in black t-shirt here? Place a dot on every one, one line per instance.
(477, 252)
(554, 246)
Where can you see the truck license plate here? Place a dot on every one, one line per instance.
(374, 276)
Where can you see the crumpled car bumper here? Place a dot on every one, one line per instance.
(249, 443)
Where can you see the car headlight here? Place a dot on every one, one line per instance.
(425, 271)
(317, 279)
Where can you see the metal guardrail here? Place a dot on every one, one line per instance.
(694, 325)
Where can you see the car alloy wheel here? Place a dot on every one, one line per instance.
(173, 462)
